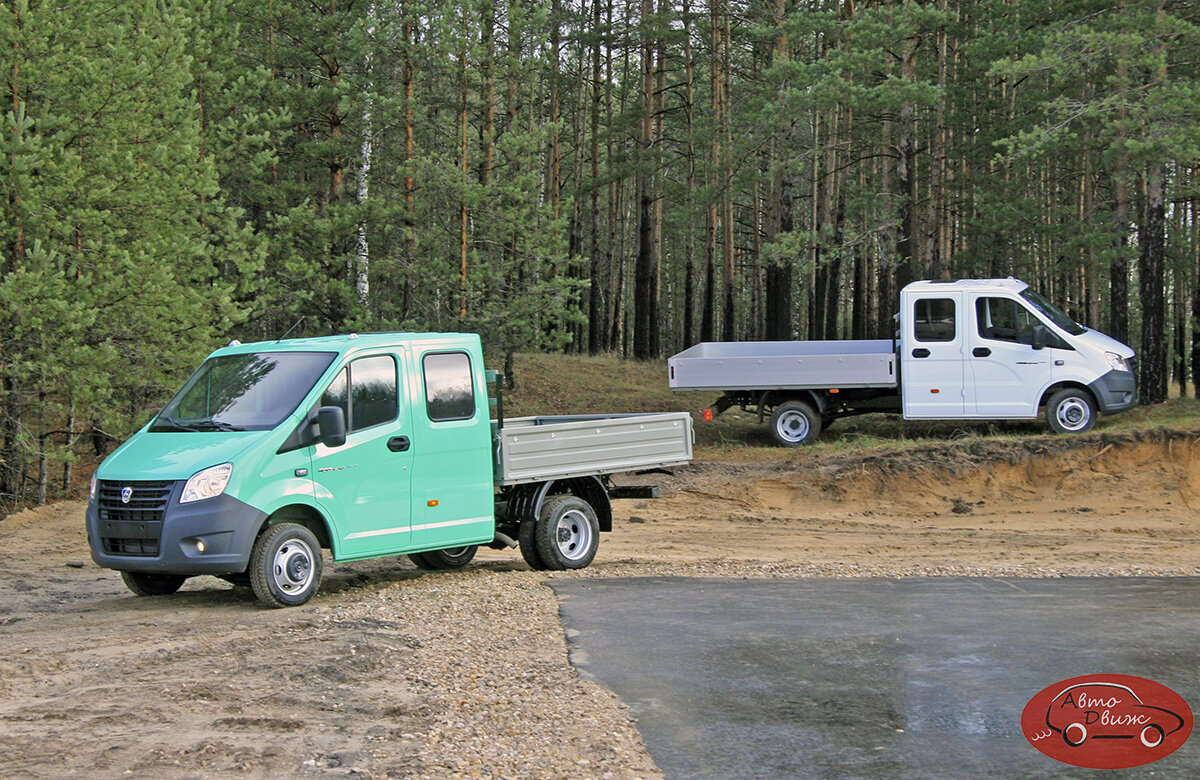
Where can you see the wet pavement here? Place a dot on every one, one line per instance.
(838, 678)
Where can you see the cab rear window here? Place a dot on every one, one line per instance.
(449, 393)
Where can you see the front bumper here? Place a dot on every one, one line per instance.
(154, 533)
(1116, 391)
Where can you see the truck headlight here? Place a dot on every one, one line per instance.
(209, 483)
(1116, 362)
(92, 488)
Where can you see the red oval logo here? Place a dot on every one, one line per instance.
(1107, 721)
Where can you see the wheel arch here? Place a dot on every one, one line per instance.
(772, 398)
(1066, 385)
(525, 501)
(305, 515)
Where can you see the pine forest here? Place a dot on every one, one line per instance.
(594, 176)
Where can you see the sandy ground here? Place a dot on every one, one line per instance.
(392, 672)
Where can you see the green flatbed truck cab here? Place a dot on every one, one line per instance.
(365, 446)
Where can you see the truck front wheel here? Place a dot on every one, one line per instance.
(451, 558)
(1071, 411)
(144, 584)
(565, 536)
(795, 423)
(285, 565)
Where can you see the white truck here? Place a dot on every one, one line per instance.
(983, 349)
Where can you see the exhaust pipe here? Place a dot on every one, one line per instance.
(503, 541)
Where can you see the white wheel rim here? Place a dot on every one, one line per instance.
(1073, 414)
(292, 567)
(792, 426)
(573, 535)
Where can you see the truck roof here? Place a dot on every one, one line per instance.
(932, 285)
(348, 342)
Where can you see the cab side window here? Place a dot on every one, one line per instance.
(934, 319)
(366, 391)
(1003, 319)
(449, 393)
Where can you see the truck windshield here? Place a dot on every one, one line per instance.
(251, 392)
(1051, 312)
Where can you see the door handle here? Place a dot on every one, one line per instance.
(981, 352)
(920, 352)
(399, 444)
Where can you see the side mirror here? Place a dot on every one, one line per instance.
(331, 424)
(1040, 337)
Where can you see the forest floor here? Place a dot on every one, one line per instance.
(394, 672)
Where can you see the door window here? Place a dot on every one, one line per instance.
(449, 394)
(934, 319)
(1003, 319)
(366, 391)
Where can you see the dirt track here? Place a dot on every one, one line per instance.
(395, 673)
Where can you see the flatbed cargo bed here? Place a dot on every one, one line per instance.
(784, 365)
(538, 449)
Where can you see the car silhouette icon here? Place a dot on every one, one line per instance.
(1103, 710)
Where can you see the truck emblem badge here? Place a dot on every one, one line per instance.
(126, 494)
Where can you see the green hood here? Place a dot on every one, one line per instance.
(175, 455)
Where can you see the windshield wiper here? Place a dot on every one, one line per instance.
(216, 425)
(170, 423)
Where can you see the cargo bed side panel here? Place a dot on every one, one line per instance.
(771, 365)
(535, 449)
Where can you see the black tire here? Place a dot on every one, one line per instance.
(285, 565)
(144, 584)
(1071, 411)
(419, 561)
(794, 424)
(566, 534)
(527, 541)
(450, 558)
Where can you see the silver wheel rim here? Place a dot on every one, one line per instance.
(1073, 414)
(792, 426)
(573, 534)
(292, 567)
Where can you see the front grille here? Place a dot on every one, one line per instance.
(133, 526)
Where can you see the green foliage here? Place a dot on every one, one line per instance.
(177, 174)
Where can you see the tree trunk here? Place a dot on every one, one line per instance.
(645, 317)
(1152, 360)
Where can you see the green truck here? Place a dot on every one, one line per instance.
(367, 446)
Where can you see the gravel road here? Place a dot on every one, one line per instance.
(394, 672)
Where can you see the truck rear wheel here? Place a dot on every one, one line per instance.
(565, 536)
(1071, 411)
(795, 423)
(527, 540)
(450, 558)
(144, 584)
(285, 565)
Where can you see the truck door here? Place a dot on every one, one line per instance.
(1006, 372)
(931, 361)
(364, 485)
(453, 482)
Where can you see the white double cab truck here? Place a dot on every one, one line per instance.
(986, 349)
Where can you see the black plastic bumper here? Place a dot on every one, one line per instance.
(224, 526)
(1116, 391)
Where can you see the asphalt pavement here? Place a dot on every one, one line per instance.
(842, 678)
